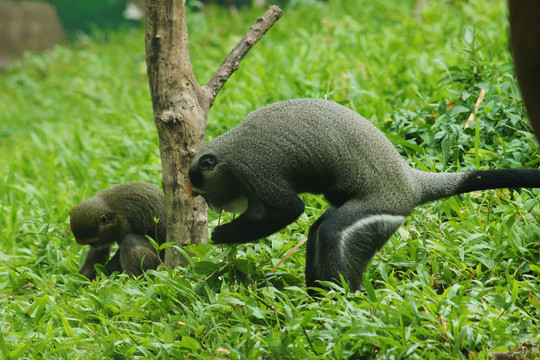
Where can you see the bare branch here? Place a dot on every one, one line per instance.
(232, 62)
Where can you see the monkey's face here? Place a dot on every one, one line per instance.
(94, 224)
(217, 183)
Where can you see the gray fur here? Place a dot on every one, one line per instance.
(349, 158)
(317, 146)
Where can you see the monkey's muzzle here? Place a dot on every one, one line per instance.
(192, 191)
(86, 240)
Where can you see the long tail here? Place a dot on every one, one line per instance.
(435, 186)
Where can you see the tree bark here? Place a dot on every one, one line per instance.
(181, 108)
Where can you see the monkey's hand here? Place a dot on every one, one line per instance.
(95, 256)
(221, 235)
(239, 231)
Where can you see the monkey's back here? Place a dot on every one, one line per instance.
(320, 147)
(139, 203)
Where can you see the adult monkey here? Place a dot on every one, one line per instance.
(525, 42)
(317, 146)
(122, 214)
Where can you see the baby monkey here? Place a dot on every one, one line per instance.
(122, 214)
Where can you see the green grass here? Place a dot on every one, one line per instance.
(459, 280)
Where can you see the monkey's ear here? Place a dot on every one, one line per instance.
(207, 162)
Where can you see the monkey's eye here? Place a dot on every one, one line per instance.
(105, 219)
(207, 162)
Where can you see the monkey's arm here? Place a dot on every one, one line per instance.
(137, 254)
(95, 256)
(259, 221)
(114, 264)
(343, 240)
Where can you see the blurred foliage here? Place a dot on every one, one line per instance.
(85, 16)
(197, 4)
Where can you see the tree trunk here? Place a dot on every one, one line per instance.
(179, 117)
(181, 107)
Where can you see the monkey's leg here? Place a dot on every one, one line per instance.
(343, 241)
(259, 221)
(95, 256)
(312, 268)
(137, 254)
